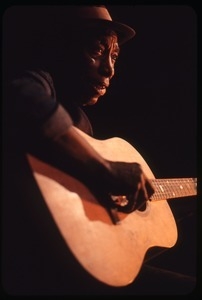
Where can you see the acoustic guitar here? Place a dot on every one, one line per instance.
(112, 252)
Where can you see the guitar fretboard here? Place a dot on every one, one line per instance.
(174, 188)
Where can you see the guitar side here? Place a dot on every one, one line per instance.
(111, 253)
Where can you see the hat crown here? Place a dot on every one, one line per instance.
(92, 15)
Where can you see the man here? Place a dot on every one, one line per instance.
(55, 76)
(85, 81)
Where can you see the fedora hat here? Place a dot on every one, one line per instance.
(45, 20)
(92, 16)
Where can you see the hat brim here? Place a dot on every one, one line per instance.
(124, 32)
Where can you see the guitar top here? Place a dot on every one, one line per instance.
(112, 253)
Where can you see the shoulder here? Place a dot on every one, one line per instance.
(31, 81)
(42, 77)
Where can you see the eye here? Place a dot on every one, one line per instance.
(97, 51)
(114, 56)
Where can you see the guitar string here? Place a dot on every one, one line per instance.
(173, 188)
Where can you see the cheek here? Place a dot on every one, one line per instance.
(89, 62)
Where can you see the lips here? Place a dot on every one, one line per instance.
(99, 87)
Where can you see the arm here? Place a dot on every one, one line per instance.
(79, 159)
(45, 129)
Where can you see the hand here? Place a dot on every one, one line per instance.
(128, 179)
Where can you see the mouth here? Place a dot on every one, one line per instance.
(99, 87)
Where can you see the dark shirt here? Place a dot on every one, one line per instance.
(31, 100)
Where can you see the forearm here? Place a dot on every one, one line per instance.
(71, 152)
(74, 144)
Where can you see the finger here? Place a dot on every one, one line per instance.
(143, 187)
(150, 189)
(141, 195)
(137, 192)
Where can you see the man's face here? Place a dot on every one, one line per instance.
(99, 57)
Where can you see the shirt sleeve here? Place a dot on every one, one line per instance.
(34, 108)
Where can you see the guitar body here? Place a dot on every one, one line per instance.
(112, 253)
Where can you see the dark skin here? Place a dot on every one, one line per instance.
(100, 56)
(98, 59)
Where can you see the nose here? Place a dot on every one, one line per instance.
(106, 67)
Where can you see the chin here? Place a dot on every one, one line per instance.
(91, 101)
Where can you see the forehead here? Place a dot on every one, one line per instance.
(104, 35)
(107, 41)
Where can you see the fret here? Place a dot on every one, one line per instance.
(174, 188)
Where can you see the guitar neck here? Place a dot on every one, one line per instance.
(174, 188)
